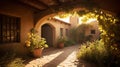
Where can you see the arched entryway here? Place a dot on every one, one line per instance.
(47, 32)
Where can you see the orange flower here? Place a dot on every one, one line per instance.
(27, 42)
(29, 35)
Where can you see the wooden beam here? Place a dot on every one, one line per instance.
(34, 3)
(41, 2)
(58, 2)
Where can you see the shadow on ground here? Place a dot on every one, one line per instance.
(56, 61)
(82, 63)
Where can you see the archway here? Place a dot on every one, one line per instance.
(47, 33)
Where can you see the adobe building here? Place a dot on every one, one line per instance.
(15, 22)
(17, 17)
(51, 29)
(93, 30)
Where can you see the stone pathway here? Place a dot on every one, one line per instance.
(54, 57)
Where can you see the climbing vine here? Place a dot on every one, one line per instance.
(108, 25)
(105, 52)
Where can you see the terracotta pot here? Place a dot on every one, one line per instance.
(37, 52)
(61, 45)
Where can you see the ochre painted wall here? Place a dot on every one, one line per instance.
(56, 25)
(94, 26)
(26, 16)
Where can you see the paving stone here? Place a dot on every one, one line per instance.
(52, 57)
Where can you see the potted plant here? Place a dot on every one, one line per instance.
(35, 43)
(60, 42)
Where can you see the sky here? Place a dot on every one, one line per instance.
(67, 19)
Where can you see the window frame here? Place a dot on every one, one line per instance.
(9, 29)
(61, 32)
(67, 32)
(93, 31)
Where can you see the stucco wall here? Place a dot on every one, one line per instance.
(94, 26)
(56, 25)
(26, 16)
(74, 21)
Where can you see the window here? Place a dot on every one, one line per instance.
(61, 32)
(9, 29)
(92, 31)
(66, 32)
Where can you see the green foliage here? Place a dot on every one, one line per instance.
(35, 41)
(78, 33)
(61, 40)
(107, 51)
(92, 52)
(73, 34)
(81, 13)
(69, 42)
(97, 52)
(6, 58)
(11, 60)
(17, 62)
(108, 25)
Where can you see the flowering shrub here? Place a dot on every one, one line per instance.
(35, 41)
(61, 40)
(99, 53)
